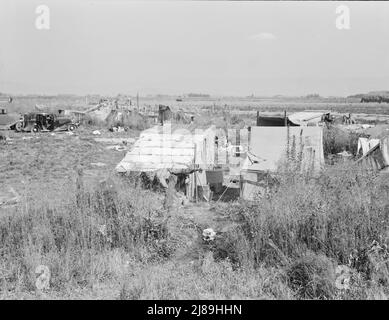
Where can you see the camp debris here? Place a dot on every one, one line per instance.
(377, 158)
(345, 155)
(124, 141)
(209, 234)
(117, 148)
(365, 144)
(98, 164)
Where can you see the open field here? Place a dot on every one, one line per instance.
(26, 103)
(47, 160)
(104, 237)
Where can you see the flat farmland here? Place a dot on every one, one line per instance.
(49, 161)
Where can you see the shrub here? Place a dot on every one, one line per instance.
(336, 140)
(312, 277)
(342, 210)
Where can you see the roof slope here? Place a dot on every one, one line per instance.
(161, 147)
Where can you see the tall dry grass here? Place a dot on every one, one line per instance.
(116, 234)
(336, 140)
(286, 245)
(82, 235)
(320, 221)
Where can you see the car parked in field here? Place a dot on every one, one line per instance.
(44, 122)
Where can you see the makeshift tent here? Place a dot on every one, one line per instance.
(377, 158)
(365, 144)
(305, 118)
(274, 121)
(177, 149)
(269, 147)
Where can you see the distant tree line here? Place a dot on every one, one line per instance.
(375, 98)
(198, 95)
(313, 96)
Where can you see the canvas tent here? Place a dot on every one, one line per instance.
(268, 148)
(176, 149)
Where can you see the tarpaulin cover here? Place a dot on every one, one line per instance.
(306, 118)
(269, 146)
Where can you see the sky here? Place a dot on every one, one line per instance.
(177, 47)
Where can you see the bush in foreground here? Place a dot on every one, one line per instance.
(306, 220)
